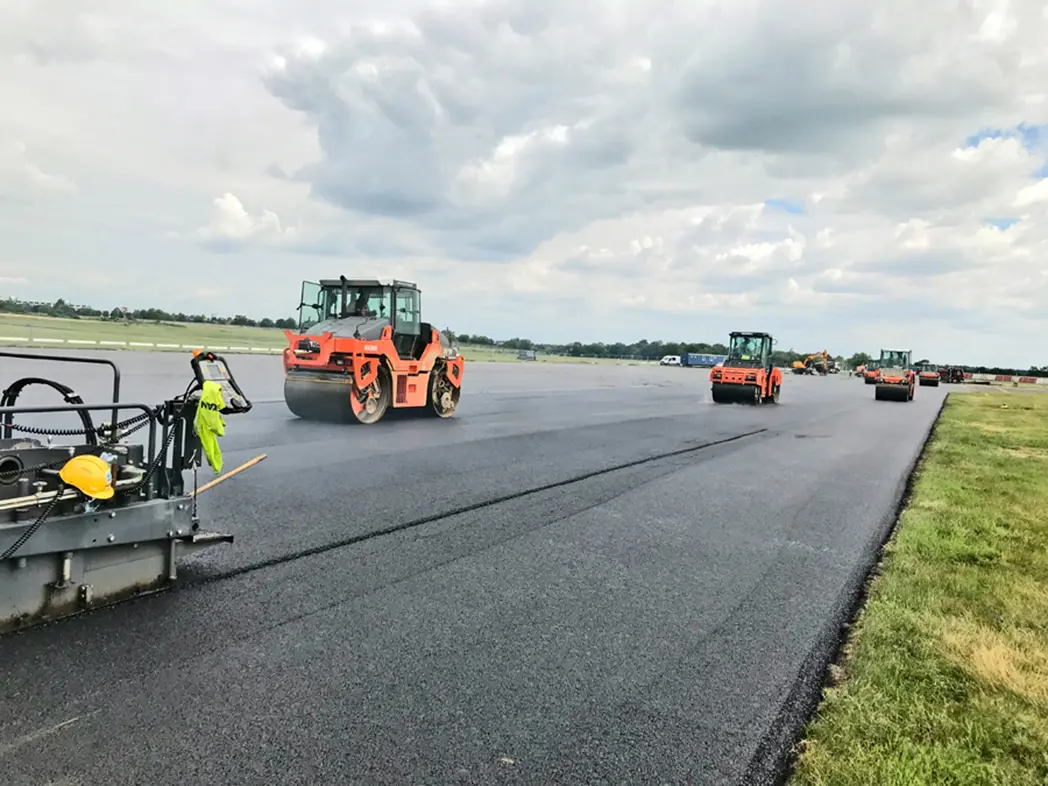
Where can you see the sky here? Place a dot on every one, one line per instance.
(847, 176)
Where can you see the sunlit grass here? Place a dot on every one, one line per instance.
(945, 679)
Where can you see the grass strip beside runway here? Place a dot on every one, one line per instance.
(53, 332)
(944, 679)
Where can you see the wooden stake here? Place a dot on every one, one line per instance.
(212, 483)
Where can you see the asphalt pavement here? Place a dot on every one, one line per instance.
(591, 574)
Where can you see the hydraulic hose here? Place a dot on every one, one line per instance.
(11, 394)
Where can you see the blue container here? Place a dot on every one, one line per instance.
(701, 361)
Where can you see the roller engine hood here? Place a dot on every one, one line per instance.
(370, 328)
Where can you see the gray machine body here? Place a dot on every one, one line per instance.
(370, 329)
(75, 562)
(89, 552)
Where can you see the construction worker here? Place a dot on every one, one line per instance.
(360, 306)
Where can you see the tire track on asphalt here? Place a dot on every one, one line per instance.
(475, 506)
(284, 559)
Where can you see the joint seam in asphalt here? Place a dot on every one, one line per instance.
(492, 502)
(413, 524)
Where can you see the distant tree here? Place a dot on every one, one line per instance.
(644, 348)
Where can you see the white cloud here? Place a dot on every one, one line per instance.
(20, 173)
(560, 170)
(1035, 194)
(231, 226)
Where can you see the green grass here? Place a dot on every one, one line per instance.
(147, 332)
(185, 334)
(944, 680)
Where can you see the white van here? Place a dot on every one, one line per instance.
(670, 360)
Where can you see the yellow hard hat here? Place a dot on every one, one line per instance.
(90, 475)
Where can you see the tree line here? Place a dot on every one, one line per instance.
(64, 309)
(638, 350)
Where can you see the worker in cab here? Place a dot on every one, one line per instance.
(360, 306)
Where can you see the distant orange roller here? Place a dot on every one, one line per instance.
(896, 378)
(747, 375)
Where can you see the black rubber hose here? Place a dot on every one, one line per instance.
(14, 390)
(36, 524)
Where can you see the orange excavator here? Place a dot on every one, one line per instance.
(747, 375)
(816, 363)
(361, 348)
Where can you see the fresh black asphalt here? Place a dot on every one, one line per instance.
(575, 586)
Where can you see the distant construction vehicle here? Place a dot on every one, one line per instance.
(362, 347)
(951, 375)
(700, 359)
(928, 375)
(896, 378)
(816, 363)
(747, 375)
(870, 373)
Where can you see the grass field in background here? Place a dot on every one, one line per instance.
(163, 333)
(945, 679)
(37, 327)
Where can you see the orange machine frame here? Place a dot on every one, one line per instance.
(742, 377)
(930, 376)
(748, 376)
(908, 377)
(359, 358)
(891, 386)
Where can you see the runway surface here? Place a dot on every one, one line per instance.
(595, 576)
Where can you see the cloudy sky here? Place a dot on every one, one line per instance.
(845, 175)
